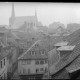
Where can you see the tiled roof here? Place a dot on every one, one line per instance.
(11, 34)
(26, 35)
(46, 43)
(3, 53)
(66, 60)
(74, 66)
(28, 50)
(35, 47)
(73, 38)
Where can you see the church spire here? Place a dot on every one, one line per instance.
(13, 12)
(35, 13)
(12, 15)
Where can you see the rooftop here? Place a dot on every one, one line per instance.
(38, 46)
(74, 66)
(61, 44)
(3, 54)
(66, 48)
(66, 60)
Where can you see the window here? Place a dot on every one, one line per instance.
(4, 61)
(46, 61)
(37, 62)
(23, 62)
(42, 52)
(41, 69)
(37, 70)
(28, 71)
(33, 53)
(46, 69)
(28, 61)
(42, 62)
(1, 64)
(24, 71)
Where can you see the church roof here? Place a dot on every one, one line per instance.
(20, 20)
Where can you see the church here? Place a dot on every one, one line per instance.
(17, 21)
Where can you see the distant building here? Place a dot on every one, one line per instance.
(34, 62)
(16, 22)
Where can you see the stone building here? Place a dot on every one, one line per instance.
(31, 21)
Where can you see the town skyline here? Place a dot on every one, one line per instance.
(47, 13)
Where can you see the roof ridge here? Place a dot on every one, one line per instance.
(29, 49)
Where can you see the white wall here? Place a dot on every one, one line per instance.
(31, 66)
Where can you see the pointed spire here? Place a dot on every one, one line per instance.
(13, 12)
(35, 13)
(12, 15)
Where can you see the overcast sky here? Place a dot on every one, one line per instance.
(46, 12)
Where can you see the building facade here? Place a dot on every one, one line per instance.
(34, 62)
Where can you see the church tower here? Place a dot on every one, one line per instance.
(12, 18)
(36, 22)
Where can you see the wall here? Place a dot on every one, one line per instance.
(31, 66)
(3, 70)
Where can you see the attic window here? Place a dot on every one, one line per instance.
(36, 45)
(42, 52)
(32, 52)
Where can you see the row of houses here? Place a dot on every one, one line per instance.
(68, 65)
(37, 61)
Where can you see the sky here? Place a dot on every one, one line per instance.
(47, 12)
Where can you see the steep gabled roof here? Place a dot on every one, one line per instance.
(28, 50)
(66, 60)
(74, 66)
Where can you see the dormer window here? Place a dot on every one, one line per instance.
(32, 52)
(36, 45)
(42, 52)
